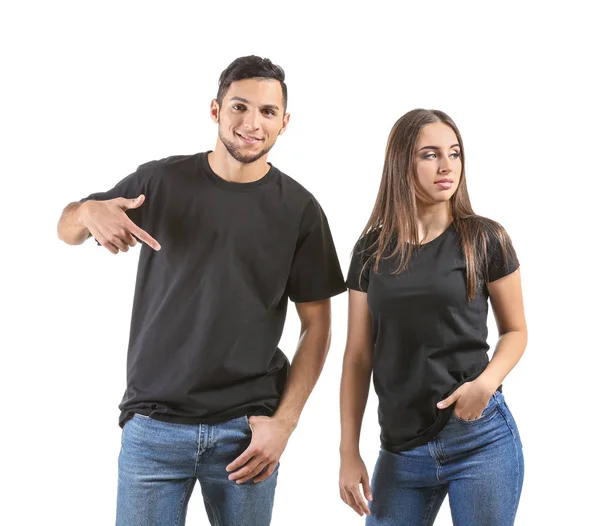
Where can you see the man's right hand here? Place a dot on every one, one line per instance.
(109, 224)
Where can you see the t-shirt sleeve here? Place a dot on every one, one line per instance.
(501, 258)
(315, 274)
(358, 273)
(130, 187)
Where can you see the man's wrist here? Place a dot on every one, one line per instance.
(81, 214)
(288, 421)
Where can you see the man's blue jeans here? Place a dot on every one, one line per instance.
(477, 463)
(160, 463)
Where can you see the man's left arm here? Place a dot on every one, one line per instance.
(270, 435)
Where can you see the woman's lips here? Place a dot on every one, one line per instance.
(445, 184)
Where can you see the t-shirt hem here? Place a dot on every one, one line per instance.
(512, 271)
(178, 419)
(353, 286)
(437, 427)
(319, 297)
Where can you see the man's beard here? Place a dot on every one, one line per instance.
(240, 157)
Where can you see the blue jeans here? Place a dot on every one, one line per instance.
(160, 462)
(477, 463)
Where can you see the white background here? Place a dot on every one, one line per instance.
(91, 90)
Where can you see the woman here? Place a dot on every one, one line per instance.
(419, 282)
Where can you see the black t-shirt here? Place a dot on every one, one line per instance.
(210, 306)
(428, 338)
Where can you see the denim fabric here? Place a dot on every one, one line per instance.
(477, 463)
(160, 462)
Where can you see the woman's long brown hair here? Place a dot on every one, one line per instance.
(393, 222)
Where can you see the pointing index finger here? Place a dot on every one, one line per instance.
(142, 235)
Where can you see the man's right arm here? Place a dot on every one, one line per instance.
(106, 221)
(71, 228)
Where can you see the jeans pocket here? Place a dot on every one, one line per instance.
(487, 413)
(247, 420)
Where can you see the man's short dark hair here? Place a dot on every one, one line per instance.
(251, 67)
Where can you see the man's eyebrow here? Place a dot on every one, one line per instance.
(246, 101)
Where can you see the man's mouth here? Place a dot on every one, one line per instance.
(249, 139)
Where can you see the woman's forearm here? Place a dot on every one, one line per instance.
(354, 391)
(511, 346)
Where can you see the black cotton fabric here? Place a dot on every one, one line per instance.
(428, 339)
(210, 306)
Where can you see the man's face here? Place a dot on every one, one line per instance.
(250, 118)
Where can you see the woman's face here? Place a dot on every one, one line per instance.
(438, 163)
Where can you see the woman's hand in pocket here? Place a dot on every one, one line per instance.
(471, 398)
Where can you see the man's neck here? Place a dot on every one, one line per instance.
(226, 167)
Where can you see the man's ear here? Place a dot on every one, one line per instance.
(214, 110)
(286, 120)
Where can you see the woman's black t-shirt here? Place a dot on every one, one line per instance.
(428, 338)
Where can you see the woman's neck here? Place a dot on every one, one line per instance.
(432, 220)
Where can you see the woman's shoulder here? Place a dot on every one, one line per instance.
(485, 229)
(368, 242)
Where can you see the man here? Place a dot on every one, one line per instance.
(228, 238)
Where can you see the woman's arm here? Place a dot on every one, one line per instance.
(354, 391)
(507, 303)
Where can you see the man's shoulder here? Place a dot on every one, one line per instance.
(169, 163)
(294, 189)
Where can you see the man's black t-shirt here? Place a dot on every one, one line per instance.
(210, 306)
(428, 339)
